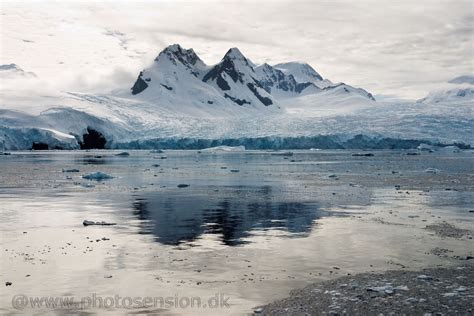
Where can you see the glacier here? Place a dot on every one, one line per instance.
(179, 102)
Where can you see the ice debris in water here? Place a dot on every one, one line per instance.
(224, 148)
(286, 154)
(432, 170)
(156, 151)
(123, 154)
(98, 176)
(363, 155)
(102, 223)
(70, 170)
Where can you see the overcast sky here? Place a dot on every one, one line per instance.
(390, 47)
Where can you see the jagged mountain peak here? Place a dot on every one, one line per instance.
(235, 56)
(345, 88)
(272, 78)
(176, 53)
(234, 53)
(234, 65)
(303, 72)
(266, 67)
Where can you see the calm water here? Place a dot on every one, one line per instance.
(252, 225)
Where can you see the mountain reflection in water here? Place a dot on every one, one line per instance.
(180, 218)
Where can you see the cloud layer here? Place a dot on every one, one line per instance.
(403, 48)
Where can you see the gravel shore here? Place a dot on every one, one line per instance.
(439, 291)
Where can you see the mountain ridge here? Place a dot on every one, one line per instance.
(234, 80)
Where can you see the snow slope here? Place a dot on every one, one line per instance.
(180, 102)
(12, 71)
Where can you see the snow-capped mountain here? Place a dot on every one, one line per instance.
(468, 79)
(303, 72)
(275, 81)
(461, 94)
(235, 77)
(179, 76)
(460, 90)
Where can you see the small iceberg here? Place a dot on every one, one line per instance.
(70, 170)
(432, 170)
(425, 147)
(97, 176)
(156, 151)
(285, 154)
(224, 148)
(363, 155)
(450, 149)
(102, 223)
(123, 154)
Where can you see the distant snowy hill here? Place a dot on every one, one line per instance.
(464, 94)
(12, 71)
(469, 79)
(180, 102)
(461, 90)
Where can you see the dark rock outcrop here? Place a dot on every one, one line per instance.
(39, 146)
(236, 100)
(139, 85)
(93, 140)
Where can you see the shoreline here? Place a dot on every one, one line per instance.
(430, 291)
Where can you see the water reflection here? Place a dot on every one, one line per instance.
(233, 215)
(92, 160)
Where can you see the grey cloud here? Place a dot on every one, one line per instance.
(388, 47)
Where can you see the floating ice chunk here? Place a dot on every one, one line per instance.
(70, 170)
(449, 149)
(425, 147)
(123, 154)
(363, 155)
(286, 154)
(424, 277)
(101, 223)
(432, 170)
(156, 151)
(224, 148)
(97, 176)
